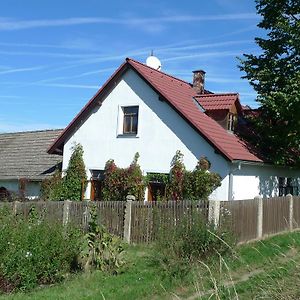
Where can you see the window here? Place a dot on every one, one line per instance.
(130, 119)
(231, 119)
(285, 186)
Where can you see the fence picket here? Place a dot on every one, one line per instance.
(147, 218)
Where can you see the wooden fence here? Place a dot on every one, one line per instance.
(139, 222)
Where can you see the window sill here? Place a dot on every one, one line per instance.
(128, 135)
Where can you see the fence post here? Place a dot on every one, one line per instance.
(15, 207)
(86, 214)
(214, 212)
(66, 211)
(127, 219)
(259, 200)
(291, 210)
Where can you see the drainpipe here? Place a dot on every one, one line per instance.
(230, 183)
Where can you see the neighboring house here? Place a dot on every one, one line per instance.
(140, 109)
(24, 162)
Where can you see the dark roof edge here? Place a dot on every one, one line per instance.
(53, 149)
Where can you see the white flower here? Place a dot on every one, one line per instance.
(28, 254)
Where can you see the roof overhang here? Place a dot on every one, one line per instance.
(96, 100)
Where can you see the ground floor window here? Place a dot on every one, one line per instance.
(287, 186)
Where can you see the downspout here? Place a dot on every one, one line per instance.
(230, 181)
(230, 185)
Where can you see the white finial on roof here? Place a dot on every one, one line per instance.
(153, 62)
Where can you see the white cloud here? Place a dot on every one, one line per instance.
(69, 85)
(12, 24)
(18, 70)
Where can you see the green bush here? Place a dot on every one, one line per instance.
(75, 179)
(35, 252)
(100, 249)
(191, 185)
(191, 241)
(72, 185)
(120, 182)
(52, 187)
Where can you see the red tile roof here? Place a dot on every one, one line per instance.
(217, 101)
(180, 95)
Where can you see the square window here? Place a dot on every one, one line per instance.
(130, 119)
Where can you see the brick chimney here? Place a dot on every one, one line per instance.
(198, 81)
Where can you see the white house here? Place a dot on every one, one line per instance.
(141, 109)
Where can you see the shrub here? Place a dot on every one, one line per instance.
(75, 178)
(120, 182)
(52, 187)
(192, 185)
(189, 242)
(72, 185)
(199, 184)
(177, 173)
(100, 249)
(34, 252)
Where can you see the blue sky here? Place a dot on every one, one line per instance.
(54, 55)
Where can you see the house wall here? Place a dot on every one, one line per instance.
(32, 187)
(251, 180)
(161, 132)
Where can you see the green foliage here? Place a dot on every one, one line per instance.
(34, 252)
(275, 75)
(52, 187)
(120, 182)
(100, 250)
(75, 175)
(189, 242)
(70, 186)
(200, 183)
(177, 173)
(192, 185)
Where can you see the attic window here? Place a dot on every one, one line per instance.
(231, 120)
(130, 119)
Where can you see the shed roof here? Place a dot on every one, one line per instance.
(24, 154)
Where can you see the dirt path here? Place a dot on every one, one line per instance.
(227, 284)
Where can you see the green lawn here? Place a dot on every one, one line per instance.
(263, 270)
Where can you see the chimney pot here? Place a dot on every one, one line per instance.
(199, 81)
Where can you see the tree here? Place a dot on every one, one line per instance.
(75, 177)
(275, 75)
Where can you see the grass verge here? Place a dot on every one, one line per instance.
(262, 270)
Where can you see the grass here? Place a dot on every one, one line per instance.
(267, 269)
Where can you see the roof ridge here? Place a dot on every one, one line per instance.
(31, 131)
(164, 73)
(218, 94)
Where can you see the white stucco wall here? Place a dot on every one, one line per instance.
(251, 180)
(32, 187)
(161, 132)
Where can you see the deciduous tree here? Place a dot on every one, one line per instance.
(275, 75)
